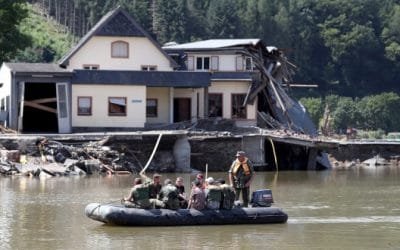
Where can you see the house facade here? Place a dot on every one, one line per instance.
(119, 78)
(232, 75)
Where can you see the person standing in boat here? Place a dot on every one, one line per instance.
(241, 174)
(169, 195)
(197, 198)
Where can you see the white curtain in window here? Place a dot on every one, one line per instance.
(120, 49)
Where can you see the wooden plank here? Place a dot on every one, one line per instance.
(41, 107)
(44, 100)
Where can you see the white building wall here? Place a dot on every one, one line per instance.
(163, 101)
(225, 62)
(5, 79)
(97, 51)
(229, 88)
(136, 106)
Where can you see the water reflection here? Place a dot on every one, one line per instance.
(353, 209)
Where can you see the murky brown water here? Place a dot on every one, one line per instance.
(357, 209)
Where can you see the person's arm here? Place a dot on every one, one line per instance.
(230, 175)
(252, 173)
(130, 197)
(145, 178)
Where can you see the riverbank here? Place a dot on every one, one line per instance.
(184, 151)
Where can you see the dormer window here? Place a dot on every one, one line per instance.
(119, 49)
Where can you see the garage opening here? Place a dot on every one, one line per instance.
(40, 108)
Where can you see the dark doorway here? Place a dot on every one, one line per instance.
(182, 107)
(289, 156)
(40, 108)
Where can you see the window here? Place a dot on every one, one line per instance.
(248, 63)
(151, 107)
(3, 104)
(117, 106)
(84, 105)
(91, 66)
(215, 105)
(238, 110)
(120, 49)
(203, 63)
(149, 68)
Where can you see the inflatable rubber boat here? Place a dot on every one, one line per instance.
(116, 214)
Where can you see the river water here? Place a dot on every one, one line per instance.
(352, 209)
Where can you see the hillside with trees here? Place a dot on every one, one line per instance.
(349, 48)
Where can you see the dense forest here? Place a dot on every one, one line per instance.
(347, 47)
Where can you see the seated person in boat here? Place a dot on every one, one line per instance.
(213, 194)
(169, 195)
(183, 203)
(197, 199)
(139, 196)
(228, 194)
(155, 185)
(200, 178)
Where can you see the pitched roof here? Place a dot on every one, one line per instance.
(212, 44)
(36, 68)
(115, 23)
(183, 79)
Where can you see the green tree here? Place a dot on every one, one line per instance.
(12, 12)
(170, 18)
(345, 114)
(314, 108)
(380, 112)
(223, 19)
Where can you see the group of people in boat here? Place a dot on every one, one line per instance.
(206, 193)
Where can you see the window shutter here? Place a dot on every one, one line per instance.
(190, 63)
(214, 63)
(239, 63)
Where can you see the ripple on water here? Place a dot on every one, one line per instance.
(331, 220)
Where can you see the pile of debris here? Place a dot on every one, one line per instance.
(52, 158)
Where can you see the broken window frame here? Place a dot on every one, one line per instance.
(84, 110)
(120, 49)
(151, 107)
(238, 110)
(117, 106)
(215, 104)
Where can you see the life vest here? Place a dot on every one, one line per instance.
(245, 166)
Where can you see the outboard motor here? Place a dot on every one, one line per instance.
(262, 198)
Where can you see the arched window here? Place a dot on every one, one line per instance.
(119, 49)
